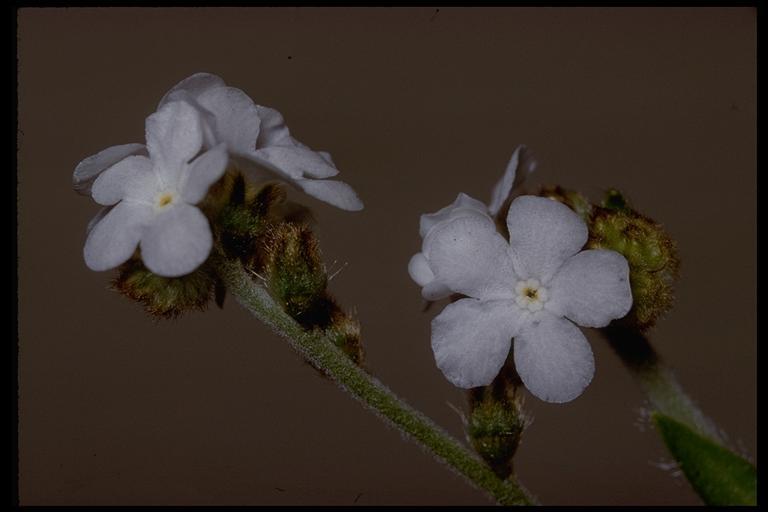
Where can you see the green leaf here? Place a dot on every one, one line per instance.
(719, 476)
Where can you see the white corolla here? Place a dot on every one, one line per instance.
(533, 289)
(151, 199)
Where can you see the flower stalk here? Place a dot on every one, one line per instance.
(657, 380)
(316, 347)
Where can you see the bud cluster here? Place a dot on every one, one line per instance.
(272, 239)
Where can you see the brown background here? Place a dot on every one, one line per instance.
(415, 105)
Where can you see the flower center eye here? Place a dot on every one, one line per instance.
(531, 295)
(164, 200)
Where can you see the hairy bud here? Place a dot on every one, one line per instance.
(649, 250)
(165, 297)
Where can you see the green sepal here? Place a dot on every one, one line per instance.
(719, 476)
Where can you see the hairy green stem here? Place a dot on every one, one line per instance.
(325, 356)
(657, 381)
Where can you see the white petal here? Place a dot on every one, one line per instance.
(87, 170)
(469, 256)
(463, 205)
(114, 238)
(174, 137)
(237, 118)
(520, 165)
(203, 172)
(435, 291)
(97, 218)
(592, 288)
(418, 268)
(113, 184)
(471, 340)
(543, 233)
(207, 119)
(553, 358)
(295, 162)
(194, 85)
(177, 242)
(336, 193)
(273, 129)
(327, 157)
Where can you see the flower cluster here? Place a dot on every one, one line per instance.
(150, 191)
(532, 288)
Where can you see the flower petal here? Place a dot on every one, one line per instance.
(471, 340)
(520, 165)
(174, 137)
(421, 273)
(435, 291)
(203, 172)
(553, 358)
(469, 256)
(592, 288)
(543, 233)
(113, 184)
(90, 168)
(418, 268)
(114, 238)
(463, 205)
(96, 219)
(237, 118)
(295, 161)
(194, 85)
(336, 193)
(177, 242)
(273, 132)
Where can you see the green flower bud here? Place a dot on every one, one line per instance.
(165, 297)
(649, 250)
(294, 271)
(296, 277)
(496, 421)
(246, 216)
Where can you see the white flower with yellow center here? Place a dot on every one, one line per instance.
(152, 198)
(532, 289)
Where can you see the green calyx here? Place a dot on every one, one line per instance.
(293, 268)
(495, 429)
(649, 250)
(165, 297)
(247, 214)
(496, 421)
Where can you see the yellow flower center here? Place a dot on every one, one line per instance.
(164, 200)
(531, 295)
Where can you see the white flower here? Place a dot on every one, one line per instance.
(152, 198)
(532, 289)
(256, 138)
(464, 205)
